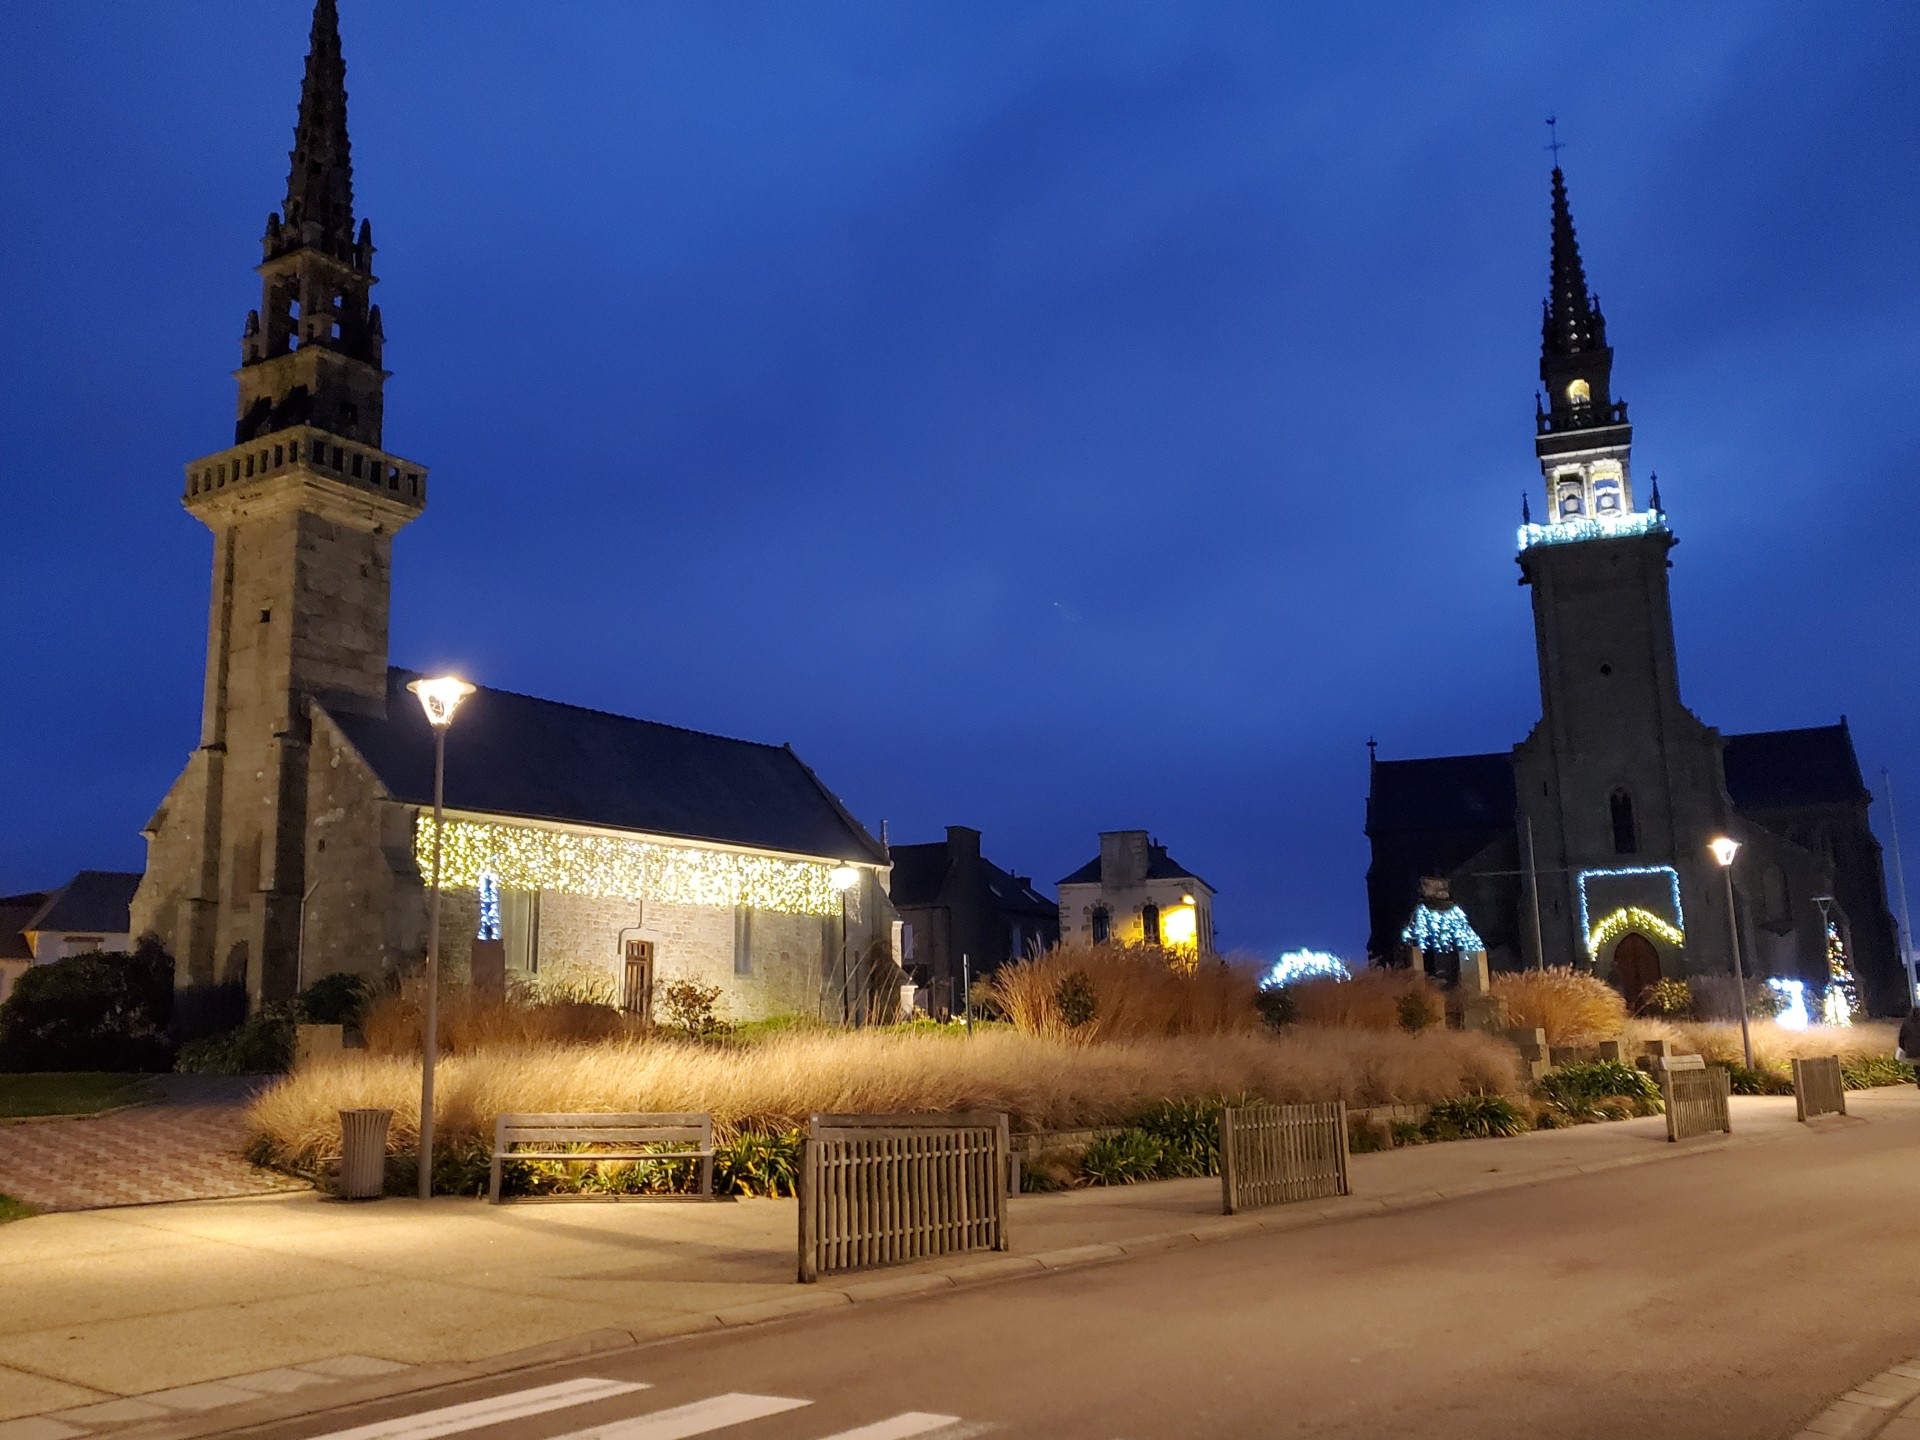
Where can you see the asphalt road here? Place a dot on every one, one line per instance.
(1724, 1296)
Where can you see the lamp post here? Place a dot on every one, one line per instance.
(1724, 850)
(844, 878)
(439, 698)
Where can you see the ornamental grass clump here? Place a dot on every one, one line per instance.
(1100, 993)
(1379, 999)
(771, 1087)
(1574, 1008)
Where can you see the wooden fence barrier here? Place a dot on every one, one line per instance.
(1273, 1154)
(1696, 1097)
(1818, 1087)
(892, 1189)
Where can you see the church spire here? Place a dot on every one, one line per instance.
(319, 205)
(1574, 324)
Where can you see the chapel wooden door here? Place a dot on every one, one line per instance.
(636, 996)
(1636, 966)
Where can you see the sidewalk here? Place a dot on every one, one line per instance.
(273, 1293)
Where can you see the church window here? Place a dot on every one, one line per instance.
(1150, 923)
(743, 940)
(1626, 838)
(1776, 906)
(1579, 393)
(1101, 922)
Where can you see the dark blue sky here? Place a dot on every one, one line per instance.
(1049, 418)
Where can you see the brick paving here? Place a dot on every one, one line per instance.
(1887, 1407)
(185, 1145)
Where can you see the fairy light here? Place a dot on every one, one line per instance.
(1792, 995)
(1632, 917)
(1304, 965)
(1673, 884)
(1592, 527)
(523, 857)
(1432, 931)
(1842, 998)
(489, 906)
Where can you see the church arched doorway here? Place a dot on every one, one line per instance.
(1636, 966)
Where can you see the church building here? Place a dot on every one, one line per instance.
(1587, 843)
(612, 851)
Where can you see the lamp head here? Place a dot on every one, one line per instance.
(440, 697)
(1186, 899)
(844, 878)
(1724, 849)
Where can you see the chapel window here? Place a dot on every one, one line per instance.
(1626, 838)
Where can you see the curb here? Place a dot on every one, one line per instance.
(814, 1300)
(1869, 1409)
(6, 1120)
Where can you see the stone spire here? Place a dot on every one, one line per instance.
(319, 205)
(1573, 323)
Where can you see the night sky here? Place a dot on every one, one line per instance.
(1049, 418)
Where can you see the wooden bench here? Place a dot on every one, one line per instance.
(692, 1133)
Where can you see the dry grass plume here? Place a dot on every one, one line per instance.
(1137, 991)
(1574, 1008)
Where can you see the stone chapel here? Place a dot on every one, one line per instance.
(1586, 843)
(618, 851)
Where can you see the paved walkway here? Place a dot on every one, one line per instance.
(1887, 1407)
(100, 1305)
(183, 1143)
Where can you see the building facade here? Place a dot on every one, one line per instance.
(1587, 843)
(961, 914)
(293, 843)
(1135, 893)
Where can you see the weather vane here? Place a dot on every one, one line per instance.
(1554, 142)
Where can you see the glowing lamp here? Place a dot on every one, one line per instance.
(1186, 899)
(1724, 849)
(844, 878)
(440, 697)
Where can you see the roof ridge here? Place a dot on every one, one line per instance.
(613, 714)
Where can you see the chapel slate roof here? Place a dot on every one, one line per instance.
(1770, 769)
(94, 900)
(1446, 792)
(1015, 892)
(919, 873)
(1160, 866)
(533, 759)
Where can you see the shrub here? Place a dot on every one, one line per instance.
(1075, 999)
(1667, 997)
(334, 1000)
(757, 1162)
(260, 1045)
(687, 1006)
(1474, 1117)
(1419, 1009)
(1365, 1136)
(1574, 1008)
(1868, 1071)
(1371, 1000)
(1277, 1007)
(1717, 997)
(1576, 1089)
(1124, 1159)
(1761, 1079)
(91, 1012)
(1188, 1134)
(1405, 1132)
(1138, 991)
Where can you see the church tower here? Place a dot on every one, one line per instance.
(1620, 786)
(303, 508)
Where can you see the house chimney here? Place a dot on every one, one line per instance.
(963, 843)
(1123, 858)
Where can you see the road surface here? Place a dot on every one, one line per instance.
(1717, 1297)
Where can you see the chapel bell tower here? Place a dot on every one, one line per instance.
(303, 508)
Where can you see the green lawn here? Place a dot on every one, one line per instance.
(75, 1094)
(12, 1209)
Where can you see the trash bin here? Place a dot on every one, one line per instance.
(363, 1153)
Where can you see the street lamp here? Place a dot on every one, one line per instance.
(844, 878)
(439, 698)
(1723, 851)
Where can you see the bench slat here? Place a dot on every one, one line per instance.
(597, 1117)
(606, 1154)
(618, 1135)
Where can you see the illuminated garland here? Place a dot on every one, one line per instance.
(489, 907)
(1842, 999)
(1673, 883)
(1304, 965)
(1438, 931)
(521, 857)
(1592, 527)
(1632, 917)
(1791, 997)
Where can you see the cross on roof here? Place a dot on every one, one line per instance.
(1554, 142)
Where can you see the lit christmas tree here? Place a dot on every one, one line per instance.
(1842, 998)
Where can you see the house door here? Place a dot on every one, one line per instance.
(636, 996)
(1636, 966)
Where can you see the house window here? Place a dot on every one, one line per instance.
(1150, 924)
(1626, 839)
(1013, 939)
(743, 940)
(1102, 922)
(906, 941)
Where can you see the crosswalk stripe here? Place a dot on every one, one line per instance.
(515, 1405)
(899, 1427)
(716, 1412)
